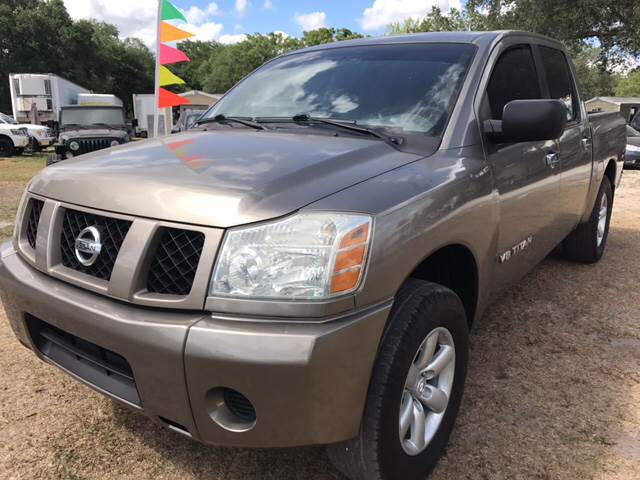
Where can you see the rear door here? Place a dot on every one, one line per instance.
(526, 174)
(575, 143)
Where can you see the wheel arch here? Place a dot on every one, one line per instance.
(453, 266)
(7, 137)
(610, 173)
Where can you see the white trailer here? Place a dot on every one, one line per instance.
(48, 91)
(143, 111)
(99, 100)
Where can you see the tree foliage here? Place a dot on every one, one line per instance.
(40, 37)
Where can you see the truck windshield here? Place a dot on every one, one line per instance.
(92, 116)
(7, 119)
(404, 87)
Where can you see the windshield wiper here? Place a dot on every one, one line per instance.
(305, 118)
(220, 118)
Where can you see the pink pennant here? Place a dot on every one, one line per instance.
(169, 55)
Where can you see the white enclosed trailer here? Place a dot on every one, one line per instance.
(48, 91)
(143, 111)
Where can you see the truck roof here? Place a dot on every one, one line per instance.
(432, 37)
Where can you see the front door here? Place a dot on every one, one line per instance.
(527, 175)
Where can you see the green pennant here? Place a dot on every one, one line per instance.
(170, 12)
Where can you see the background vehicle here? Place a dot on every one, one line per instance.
(13, 139)
(41, 136)
(632, 153)
(143, 112)
(87, 129)
(304, 266)
(48, 91)
(187, 119)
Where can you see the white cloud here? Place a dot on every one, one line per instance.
(267, 5)
(282, 33)
(199, 15)
(137, 18)
(383, 12)
(232, 38)
(310, 21)
(241, 6)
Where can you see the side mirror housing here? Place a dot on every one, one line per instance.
(528, 121)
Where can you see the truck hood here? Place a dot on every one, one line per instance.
(218, 178)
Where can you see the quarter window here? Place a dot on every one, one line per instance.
(559, 78)
(514, 77)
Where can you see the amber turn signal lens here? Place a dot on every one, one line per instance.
(356, 236)
(344, 281)
(349, 258)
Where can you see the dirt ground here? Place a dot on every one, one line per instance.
(553, 390)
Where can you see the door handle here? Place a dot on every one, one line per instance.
(552, 159)
(586, 142)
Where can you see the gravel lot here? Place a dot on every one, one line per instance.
(553, 389)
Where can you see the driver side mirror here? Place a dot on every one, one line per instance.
(528, 121)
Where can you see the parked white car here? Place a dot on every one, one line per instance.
(13, 139)
(42, 135)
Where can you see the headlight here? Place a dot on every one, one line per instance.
(306, 256)
(115, 143)
(633, 148)
(75, 146)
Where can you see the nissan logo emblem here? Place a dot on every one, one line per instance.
(88, 246)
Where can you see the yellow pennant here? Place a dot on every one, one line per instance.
(169, 33)
(168, 78)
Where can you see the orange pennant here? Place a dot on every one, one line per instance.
(169, 33)
(168, 99)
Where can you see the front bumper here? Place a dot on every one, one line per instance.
(20, 141)
(306, 380)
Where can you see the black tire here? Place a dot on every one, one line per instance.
(376, 453)
(582, 244)
(6, 147)
(18, 151)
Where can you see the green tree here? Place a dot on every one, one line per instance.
(594, 80)
(199, 53)
(230, 64)
(629, 85)
(327, 35)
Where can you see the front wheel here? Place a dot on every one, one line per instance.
(415, 390)
(587, 242)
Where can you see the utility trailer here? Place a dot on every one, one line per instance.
(143, 112)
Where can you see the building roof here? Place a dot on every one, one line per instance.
(616, 100)
(192, 93)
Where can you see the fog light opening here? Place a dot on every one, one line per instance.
(231, 409)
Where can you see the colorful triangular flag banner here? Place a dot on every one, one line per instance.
(170, 12)
(167, 77)
(169, 33)
(170, 55)
(168, 99)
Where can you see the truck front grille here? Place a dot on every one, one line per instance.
(92, 144)
(95, 365)
(175, 261)
(112, 233)
(35, 209)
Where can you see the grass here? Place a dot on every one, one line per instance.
(15, 172)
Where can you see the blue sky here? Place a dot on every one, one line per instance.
(229, 20)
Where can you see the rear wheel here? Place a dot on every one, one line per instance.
(587, 242)
(415, 390)
(6, 147)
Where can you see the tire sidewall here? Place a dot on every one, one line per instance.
(394, 463)
(605, 189)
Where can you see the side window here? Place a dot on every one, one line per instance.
(514, 77)
(559, 79)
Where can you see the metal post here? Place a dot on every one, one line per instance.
(156, 110)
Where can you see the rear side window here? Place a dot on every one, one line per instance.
(559, 78)
(513, 78)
